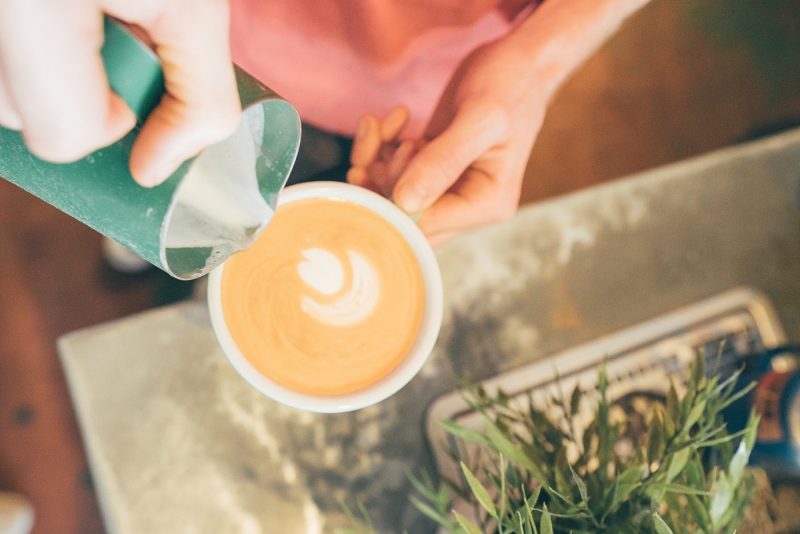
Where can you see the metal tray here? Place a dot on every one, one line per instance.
(640, 361)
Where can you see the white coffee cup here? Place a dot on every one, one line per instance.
(426, 337)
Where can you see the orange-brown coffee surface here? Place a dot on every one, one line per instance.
(328, 301)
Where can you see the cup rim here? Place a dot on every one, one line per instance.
(426, 337)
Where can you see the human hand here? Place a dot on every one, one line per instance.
(468, 169)
(53, 86)
(378, 156)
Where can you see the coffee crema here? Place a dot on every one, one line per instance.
(328, 301)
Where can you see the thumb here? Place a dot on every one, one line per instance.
(437, 166)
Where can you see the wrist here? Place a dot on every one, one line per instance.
(556, 38)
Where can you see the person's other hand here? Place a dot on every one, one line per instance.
(479, 140)
(54, 89)
(468, 170)
(378, 156)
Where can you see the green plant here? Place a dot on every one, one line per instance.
(538, 472)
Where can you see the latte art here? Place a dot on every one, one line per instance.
(353, 303)
(328, 301)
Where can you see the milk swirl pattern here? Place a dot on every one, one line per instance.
(324, 273)
(328, 301)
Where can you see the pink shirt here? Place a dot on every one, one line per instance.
(336, 60)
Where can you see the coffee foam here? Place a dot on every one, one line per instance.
(352, 307)
(321, 270)
(328, 301)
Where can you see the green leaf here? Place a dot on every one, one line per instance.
(604, 431)
(581, 485)
(737, 464)
(694, 473)
(511, 451)
(480, 493)
(721, 499)
(698, 510)
(503, 493)
(529, 503)
(365, 515)
(673, 406)
(736, 396)
(710, 433)
(575, 400)
(561, 472)
(602, 378)
(682, 488)
(660, 525)
(751, 430)
(710, 384)
(686, 403)
(677, 463)
(655, 438)
(362, 525)
(633, 475)
(610, 500)
(468, 526)
(424, 487)
(696, 413)
(698, 370)
(518, 525)
(431, 512)
(629, 480)
(724, 439)
(727, 517)
(461, 432)
(545, 523)
(555, 494)
(726, 387)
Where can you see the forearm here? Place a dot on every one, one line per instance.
(561, 34)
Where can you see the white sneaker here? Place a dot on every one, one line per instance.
(121, 259)
(16, 514)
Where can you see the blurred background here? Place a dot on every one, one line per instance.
(682, 78)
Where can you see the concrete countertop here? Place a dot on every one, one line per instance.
(178, 442)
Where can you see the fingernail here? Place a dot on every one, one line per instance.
(410, 198)
(145, 178)
(157, 173)
(356, 175)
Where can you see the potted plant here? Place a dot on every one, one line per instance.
(539, 471)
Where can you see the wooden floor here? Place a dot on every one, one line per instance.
(681, 79)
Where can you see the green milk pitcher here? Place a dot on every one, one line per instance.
(214, 205)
